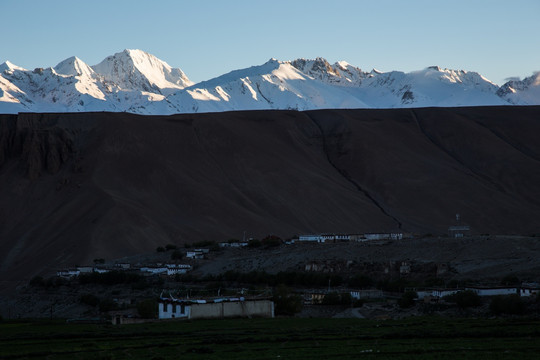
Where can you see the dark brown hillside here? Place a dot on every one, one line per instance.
(74, 187)
(422, 165)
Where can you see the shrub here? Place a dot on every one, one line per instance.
(507, 304)
(271, 241)
(335, 298)
(407, 300)
(286, 302)
(170, 247)
(99, 261)
(160, 249)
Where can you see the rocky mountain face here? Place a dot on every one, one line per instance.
(80, 186)
(521, 92)
(137, 82)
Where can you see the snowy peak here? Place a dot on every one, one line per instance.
(272, 85)
(138, 70)
(522, 92)
(138, 82)
(469, 78)
(341, 73)
(10, 67)
(74, 66)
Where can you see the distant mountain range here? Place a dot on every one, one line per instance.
(137, 82)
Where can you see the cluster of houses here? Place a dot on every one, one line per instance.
(427, 295)
(154, 269)
(525, 290)
(151, 269)
(197, 253)
(333, 238)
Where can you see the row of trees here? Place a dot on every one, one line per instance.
(503, 304)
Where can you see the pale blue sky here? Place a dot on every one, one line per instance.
(206, 38)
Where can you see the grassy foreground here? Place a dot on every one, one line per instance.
(414, 338)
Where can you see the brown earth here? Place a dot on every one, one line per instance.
(75, 187)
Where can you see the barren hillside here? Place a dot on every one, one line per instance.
(75, 187)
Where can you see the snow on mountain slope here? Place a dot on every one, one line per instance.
(432, 86)
(273, 85)
(132, 79)
(75, 67)
(524, 92)
(138, 82)
(341, 73)
(138, 70)
(12, 98)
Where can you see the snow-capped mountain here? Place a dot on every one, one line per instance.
(273, 85)
(432, 86)
(524, 92)
(138, 82)
(137, 70)
(341, 73)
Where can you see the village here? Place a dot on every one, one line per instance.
(189, 284)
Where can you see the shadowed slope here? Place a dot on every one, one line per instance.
(80, 186)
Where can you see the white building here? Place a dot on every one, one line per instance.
(196, 254)
(494, 291)
(154, 270)
(85, 269)
(311, 238)
(101, 270)
(68, 273)
(367, 294)
(214, 309)
(436, 293)
(529, 290)
(233, 244)
(178, 270)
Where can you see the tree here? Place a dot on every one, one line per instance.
(147, 308)
(335, 298)
(271, 241)
(170, 247)
(360, 281)
(160, 249)
(177, 255)
(287, 303)
(254, 243)
(510, 279)
(407, 300)
(467, 298)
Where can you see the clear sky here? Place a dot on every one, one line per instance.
(206, 38)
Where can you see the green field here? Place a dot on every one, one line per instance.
(414, 338)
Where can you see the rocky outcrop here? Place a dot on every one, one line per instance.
(36, 142)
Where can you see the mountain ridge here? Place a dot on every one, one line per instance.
(138, 82)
